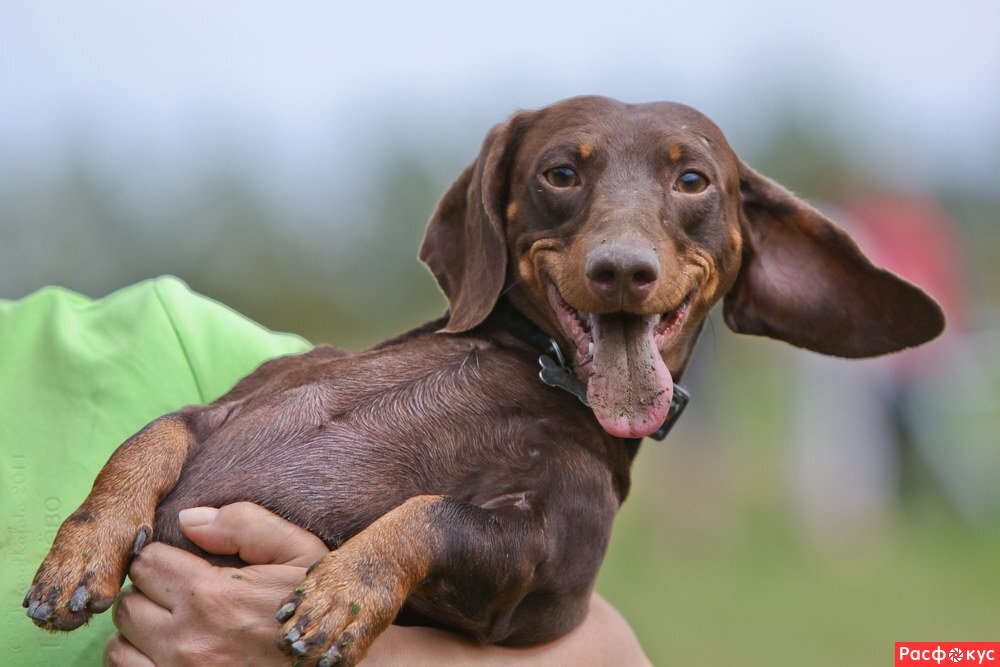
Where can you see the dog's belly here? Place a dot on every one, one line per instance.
(335, 446)
(336, 475)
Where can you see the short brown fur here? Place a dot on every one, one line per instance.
(456, 489)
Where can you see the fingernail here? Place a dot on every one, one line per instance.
(197, 516)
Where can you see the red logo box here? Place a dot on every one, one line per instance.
(924, 654)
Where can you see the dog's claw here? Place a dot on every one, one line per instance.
(40, 612)
(27, 597)
(299, 647)
(285, 612)
(81, 596)
(330, 658)
(141, 537)
(346, 641)
(293, 636)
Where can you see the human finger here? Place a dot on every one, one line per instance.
(258, 536)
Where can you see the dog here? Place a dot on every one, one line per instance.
(455, 487)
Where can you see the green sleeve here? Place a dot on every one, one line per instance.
(77, 377)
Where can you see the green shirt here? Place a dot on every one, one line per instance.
(77, 377)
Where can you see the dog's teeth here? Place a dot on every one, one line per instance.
(590, 349)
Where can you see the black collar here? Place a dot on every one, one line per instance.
(556, 371)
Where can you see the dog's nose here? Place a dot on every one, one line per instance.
(623, 272)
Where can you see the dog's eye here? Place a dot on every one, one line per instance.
(562, 177)
(691, 182)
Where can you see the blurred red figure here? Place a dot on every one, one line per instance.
(856, 449)
(914, 237)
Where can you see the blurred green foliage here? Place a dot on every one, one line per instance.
(708, 562)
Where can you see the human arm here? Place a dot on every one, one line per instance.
(183, 610)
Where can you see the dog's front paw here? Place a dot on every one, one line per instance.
(345, 602)
(84, 570)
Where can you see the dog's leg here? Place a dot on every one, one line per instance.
(88, 560)
(478, 563)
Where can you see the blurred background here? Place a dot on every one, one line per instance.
(284, 158)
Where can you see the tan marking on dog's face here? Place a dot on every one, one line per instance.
(528, 294)
(735, 239)
(512, 211)
(704, 274)
(729, 263)
(625, 193)
(526, 270)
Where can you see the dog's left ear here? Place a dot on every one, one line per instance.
(464, 245)
(806, 282)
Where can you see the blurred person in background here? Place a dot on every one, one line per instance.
(858, 451)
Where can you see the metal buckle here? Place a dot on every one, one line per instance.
(556, 373)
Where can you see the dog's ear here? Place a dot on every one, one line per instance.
(464, 244)
(805, 281)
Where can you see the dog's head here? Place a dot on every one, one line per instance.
(617, 227)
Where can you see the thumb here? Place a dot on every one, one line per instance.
(257, 535)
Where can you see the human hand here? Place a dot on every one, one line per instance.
(182, 610)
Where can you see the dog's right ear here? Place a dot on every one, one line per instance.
(464, 245)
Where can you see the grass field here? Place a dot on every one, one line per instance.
(759, 596)
(710, 565)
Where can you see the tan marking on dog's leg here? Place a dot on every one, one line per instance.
(353, 593)
(89, 557)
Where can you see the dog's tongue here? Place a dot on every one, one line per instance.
(630, 387)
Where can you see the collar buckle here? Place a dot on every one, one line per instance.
(557, 373)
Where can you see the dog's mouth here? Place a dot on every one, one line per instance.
(619, 356)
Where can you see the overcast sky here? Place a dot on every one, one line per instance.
(920, 74)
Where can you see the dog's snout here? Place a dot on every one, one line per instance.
(622, 272)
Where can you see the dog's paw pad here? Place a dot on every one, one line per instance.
(77, 579)
(326, 628)
(50, 608)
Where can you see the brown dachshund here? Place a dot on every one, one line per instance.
(456, 488)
